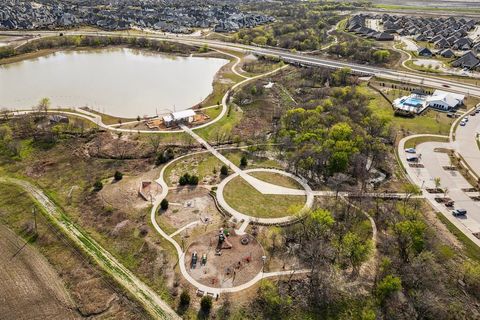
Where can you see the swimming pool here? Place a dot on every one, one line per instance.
(412, 101)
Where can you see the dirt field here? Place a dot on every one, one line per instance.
(31, 289)
(123, 194)
(188, 205)
(243, 262)
(92, 293)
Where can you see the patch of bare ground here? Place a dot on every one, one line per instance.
(108, 145)
(189, 204)
(31, 288)
(235, 266)
(124, 194)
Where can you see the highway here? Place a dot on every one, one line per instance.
(300, 58)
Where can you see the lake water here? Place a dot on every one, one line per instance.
(121, 82)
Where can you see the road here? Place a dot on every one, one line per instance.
(395, 75)
(152, 302)
(466, 142)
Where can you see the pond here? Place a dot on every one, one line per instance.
(122, 82)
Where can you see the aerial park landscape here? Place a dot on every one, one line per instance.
(261, 160)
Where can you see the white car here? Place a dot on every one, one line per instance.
(465, 119)
(410, 150)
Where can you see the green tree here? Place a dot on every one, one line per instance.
(318, 223)
(118, 176)
(206, 305)
(340, 76)
(355, 250)
(183, 181)
(273, 304)
(224, 170)
(164, 204)
(410, 237)
(184, 299)
(43, 105)
(260, 40)
(381, 55)
(243, 161)
(97, 186)
(388, 285)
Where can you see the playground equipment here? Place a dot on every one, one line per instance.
(194, 260)
(245, 240)
(223, 242)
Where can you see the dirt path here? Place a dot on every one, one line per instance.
(149, 299)
(31, 289)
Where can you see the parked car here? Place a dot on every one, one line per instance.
(459, 212)
(463, 123)
(449, 203)
(410, 150)
(412, 159)
(465, 119)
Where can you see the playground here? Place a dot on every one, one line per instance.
(222, 259)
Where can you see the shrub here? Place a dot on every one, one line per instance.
(182, 181)
(193, 180)
(164, 157)
(184, 299)
(224, 170)
(97, 186)
(164, 204)
(118, 176)
(161, 159)
(243, 161)
(206, 304)
(388, 285)
(188, 179)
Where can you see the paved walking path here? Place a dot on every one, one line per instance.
(181, 254)
(191, 224)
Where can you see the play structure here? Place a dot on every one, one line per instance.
(194, 260)
(223, 242)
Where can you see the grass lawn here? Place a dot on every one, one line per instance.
(223, 127)
(471, 249)
(201, 165)
(253, 161)
(412, 143)
(276, 178)
(244, 198)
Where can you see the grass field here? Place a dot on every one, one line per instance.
(471, 249)
(244, 198)
(412, 143)
(276, 178)
(201, 165)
